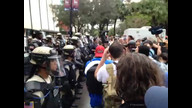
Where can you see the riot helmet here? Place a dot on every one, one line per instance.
(68, 50)
(79, 35)
(49, 38)
(47, 58)
(76, 42)
(59, 36)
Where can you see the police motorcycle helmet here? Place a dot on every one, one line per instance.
(47, 58)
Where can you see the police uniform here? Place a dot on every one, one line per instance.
(42, 91)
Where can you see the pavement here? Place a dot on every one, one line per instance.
(84, 101)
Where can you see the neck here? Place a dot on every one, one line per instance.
(117, 59)
(43, 73)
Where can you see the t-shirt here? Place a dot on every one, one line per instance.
(103, 75)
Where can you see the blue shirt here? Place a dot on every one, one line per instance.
(99, 59)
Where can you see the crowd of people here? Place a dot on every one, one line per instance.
(120, 73)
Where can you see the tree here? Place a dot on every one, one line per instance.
(80, 17)
(137, 20)
(157, 9)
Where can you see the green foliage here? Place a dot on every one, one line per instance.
(156, 9)
(137, 20)
(105, 12)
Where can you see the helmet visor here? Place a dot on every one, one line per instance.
(56, 66)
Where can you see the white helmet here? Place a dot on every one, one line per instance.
(59, 34)
(46, 57)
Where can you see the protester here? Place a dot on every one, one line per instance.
(104, 73)
(135, 74)
(156, 97)
(94, 87)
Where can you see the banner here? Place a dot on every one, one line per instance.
(75, 4)
(67, 4)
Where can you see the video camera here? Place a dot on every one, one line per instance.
(156, 30)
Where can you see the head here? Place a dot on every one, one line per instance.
(39, 36)
(121, 41)
(99, 51)
(96, 40)
(148, 43)
(47, 60)
(75, 41)
(135, 74)
(143, 50)
(163, 57)
(131, 46)
(68, 51)
(30, 39)
(79, 35)
(138, 42)
(111, 38)
(116, 50)
(49, 38)
(130, 37)
(156, 97)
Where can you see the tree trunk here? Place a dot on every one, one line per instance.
(107, 25)
(154, 21)
(114, 31)
(101, 27)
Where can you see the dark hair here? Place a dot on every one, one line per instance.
(94, 39)
(131, 37)
(116, 50)
(144, 50)
(149, 42)
(135, 74)
(164, 56)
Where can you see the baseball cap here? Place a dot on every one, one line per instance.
(99, 51)
(156, 97)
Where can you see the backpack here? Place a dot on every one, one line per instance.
(110, 86)
(112, 100)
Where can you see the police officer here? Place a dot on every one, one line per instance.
(40, 86)
(69, 66)
(79, 35)
(49, 41)
(61, 42)
(78, 57)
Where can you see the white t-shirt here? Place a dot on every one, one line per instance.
(103, 75)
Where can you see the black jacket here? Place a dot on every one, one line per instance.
(93, 86)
